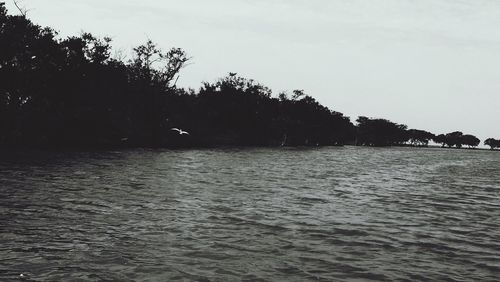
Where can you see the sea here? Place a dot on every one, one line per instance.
(250, 214)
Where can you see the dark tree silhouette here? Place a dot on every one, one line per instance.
(72, 92)
(470, 140)
(380, 132)
(454, 139)
(236, 110)
(492, 143)
(420, 137)
(457, 139)
(440, 139)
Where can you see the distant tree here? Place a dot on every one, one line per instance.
(380, 132)
(153, 74)
(419, 137)
(235, 110)
(470, 140)
(283, 96)
(454, 139)
(298, 94)
(492, 143)
(96, 50)
(440, 139)
(157, 66)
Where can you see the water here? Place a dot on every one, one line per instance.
(324, 214)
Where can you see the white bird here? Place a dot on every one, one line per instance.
(181, 132)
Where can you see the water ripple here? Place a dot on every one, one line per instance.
(318, 214)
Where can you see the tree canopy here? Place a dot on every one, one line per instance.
(492, 143)
(380, 132)
(73, 92)
(457, 139)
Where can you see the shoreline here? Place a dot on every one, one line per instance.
(4, 149)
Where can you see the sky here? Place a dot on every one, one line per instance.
(430, 64)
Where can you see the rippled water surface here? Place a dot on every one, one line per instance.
(323, 214)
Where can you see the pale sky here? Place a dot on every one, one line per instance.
(430, 64)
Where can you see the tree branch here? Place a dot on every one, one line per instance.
(23, 11)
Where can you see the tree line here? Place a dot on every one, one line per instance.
(73, 92)
(381, 132)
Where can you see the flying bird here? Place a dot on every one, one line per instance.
(181, 132)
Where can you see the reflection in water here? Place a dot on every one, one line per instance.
(251, 214)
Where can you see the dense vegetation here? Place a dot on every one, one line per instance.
(457, 139)
(492, 143)
(72, 92)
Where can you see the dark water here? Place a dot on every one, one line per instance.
(250, 214)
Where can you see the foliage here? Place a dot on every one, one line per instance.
(380, 132)
(420, 137)
(440, 139)
(492, 143)
(454, 139)
(242, 111)
(72, 92)
(470, 140)
(457, 139)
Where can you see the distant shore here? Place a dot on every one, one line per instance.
(71, 92)
(6, 149)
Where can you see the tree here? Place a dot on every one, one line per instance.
(157, 66)
(152, 72)
(298, 94)
(380, 132)
(96, 50)
(440, 139)
(21, 10)
(470, 140)
(419, 137)
(454, 139)
(492, 143)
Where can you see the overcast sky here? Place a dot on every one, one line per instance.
(431, 64)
